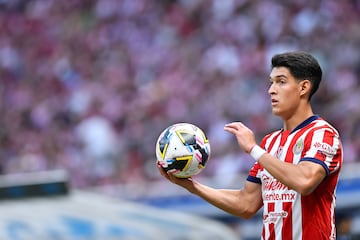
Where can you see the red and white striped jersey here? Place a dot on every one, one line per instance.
(286, 213)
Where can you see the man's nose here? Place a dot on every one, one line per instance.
(271, 89)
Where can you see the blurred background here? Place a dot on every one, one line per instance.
(88, 85)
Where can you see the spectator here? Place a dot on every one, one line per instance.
(146, 63)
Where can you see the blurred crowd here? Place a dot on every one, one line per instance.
(88, 85)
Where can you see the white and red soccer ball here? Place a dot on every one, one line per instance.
(183, 149)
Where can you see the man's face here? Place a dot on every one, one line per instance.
(285, 92)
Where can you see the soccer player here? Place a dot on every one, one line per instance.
(296, 168)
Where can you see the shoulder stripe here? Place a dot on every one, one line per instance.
(253, 179)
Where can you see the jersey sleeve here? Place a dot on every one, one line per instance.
(323, 146)
(253, 174)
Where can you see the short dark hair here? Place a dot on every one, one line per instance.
(301, 65)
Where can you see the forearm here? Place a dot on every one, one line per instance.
(284, 172)
(234, 202)
(299, 177)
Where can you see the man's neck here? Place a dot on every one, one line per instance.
(295, 120)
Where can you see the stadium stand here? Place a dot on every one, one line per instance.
(87, 86)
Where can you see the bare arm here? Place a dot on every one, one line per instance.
(303, 177)
(243, 203)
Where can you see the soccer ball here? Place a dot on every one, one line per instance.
(183, 149)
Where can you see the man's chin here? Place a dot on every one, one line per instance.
(276, 112)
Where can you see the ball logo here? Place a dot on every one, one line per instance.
(163, 142)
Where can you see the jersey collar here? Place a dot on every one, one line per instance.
(306, 122)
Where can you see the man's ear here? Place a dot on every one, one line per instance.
(305, 87)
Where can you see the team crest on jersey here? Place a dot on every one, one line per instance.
(298, 147)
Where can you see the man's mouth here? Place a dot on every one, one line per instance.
(274, 102)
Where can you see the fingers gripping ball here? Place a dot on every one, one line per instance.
(183, 149)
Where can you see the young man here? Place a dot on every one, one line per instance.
(296, 168)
